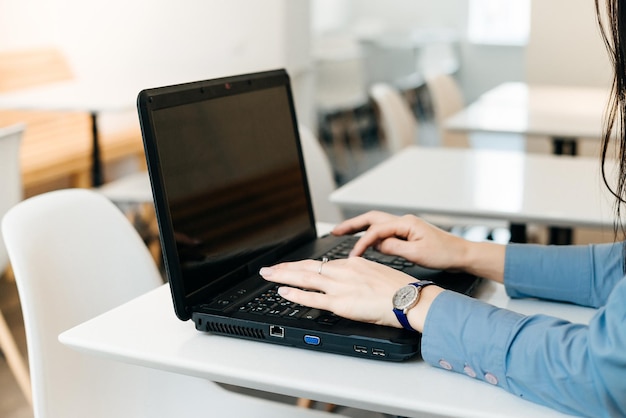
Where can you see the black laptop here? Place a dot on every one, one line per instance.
(231, 195)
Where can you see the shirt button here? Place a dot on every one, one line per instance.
(491, 378)
(469, 371)
(445, 365)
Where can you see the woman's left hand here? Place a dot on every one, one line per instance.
(353, 288)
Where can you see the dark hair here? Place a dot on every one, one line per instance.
(612, 22)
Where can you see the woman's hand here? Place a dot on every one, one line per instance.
(407, 236)
(422, 243)
(353, 288)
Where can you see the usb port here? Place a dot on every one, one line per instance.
(276, 331)
(360, 349)
(378, 352)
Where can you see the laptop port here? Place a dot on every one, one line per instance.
(312, 340)
(360, 349)
(378, 352)
(277, 332)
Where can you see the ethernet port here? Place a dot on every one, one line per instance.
(277, 332)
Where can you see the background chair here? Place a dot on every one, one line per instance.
(321, 179)
(446, 99)
(398, 123)
(10, 194)
(75, 256)
(340, 91)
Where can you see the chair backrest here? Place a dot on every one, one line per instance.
(10, 177)
(321, 179)
(75, 256)
(398, 122)
(447, 99)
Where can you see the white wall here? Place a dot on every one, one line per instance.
(566, 47)
(179, 40)
(161, 41)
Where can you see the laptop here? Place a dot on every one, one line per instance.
(231, 196)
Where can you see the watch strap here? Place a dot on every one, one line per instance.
(402, 318)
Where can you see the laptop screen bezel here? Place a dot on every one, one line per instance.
(182, 94)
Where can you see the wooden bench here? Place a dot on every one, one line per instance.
(57, 146)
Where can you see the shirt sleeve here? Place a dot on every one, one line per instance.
(574, 368)
(584, 275)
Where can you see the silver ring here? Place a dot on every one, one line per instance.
(324, 261)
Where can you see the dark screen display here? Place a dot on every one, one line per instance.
(233, 180)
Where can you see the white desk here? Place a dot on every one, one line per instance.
(517, 187)
(132, 188)
(76, 96)
(563, 113)
(146, 332)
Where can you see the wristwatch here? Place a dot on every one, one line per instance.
(405, 298)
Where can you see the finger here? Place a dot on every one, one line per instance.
(306, 279)
(304, 297)
(359, 223)
(399, 247)
(376, 234)
(304, 265)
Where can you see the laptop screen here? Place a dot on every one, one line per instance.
(233, 180)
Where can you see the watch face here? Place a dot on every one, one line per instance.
(405, 297)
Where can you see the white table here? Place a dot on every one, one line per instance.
(132, 188)
(563, 113)
(516, 187)
(93, 97)
(146, 332)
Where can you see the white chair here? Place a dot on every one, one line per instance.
(75, 256)
(398, 123)
(11, 194)
(447, 99)
(321, 179)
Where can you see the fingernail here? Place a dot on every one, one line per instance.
(265, 271)
(283, 291)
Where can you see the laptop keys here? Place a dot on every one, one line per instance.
(343, 250)
(272, 304)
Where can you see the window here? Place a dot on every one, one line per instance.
(499, 22)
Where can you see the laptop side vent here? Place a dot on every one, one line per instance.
(235, 330)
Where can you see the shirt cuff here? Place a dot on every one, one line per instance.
(468, 336)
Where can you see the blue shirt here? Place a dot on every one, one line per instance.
(577, 369)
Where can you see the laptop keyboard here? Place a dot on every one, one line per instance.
(270, 303)
(343, 250)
